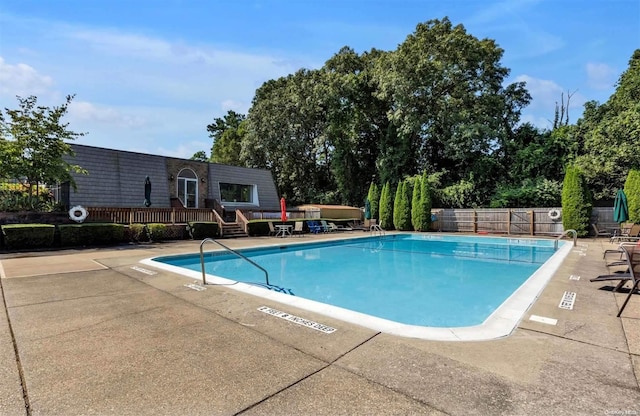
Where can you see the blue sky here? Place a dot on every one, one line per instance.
(150, 75)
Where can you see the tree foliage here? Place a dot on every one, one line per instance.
(576, 202)
(227, 134)
(200, 156)
(450, 109)
(440, 102)
(610, 134)
(33, 144)
(632, 191)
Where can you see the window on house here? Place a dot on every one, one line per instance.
(233, 192)
(188, 188)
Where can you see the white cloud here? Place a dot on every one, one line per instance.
(600, 76)
(185, 149)
(23, 80)
(546, 93)
(237, 106)
(87, 112)
(537, 121)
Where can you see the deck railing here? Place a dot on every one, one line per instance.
(149, 215)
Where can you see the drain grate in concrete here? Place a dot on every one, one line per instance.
(567, 300)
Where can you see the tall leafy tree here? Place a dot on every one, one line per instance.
(287, 134)
(451, 108)
(33, 140)
(356, 120)
(610, 134)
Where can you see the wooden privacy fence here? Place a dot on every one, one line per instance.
(522, 221)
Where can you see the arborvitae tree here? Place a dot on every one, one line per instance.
(374, 200)
(632, 190)
(416, 204)
(397, 206)
(386, 207)
(425, 204)
(401, 208)
(576, 202)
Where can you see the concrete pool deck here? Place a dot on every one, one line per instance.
(95, 332)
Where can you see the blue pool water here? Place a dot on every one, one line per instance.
(411, 279)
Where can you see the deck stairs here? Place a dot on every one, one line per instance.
(232, 230)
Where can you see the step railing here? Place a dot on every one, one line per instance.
(242, 256)
(564, 234)
(377, 230)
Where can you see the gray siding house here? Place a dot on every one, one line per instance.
(116, 178)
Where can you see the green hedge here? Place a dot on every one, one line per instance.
(91, 234)
(138, 233)
(202, 230)
(28, 235)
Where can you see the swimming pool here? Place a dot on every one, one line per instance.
(425, 286)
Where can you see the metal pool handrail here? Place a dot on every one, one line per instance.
(575, 238)
(204, 282)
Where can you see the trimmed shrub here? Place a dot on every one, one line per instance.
(203, 229)
(157, 231)
(91, 234)
(374, 200)
(632, 190)
(28, 235)
(576, 202)
(138, 233)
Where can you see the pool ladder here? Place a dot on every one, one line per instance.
(242, 256)
(571, 231)
(375, 228)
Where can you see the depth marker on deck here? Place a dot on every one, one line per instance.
(297, 320)
(574, 277)
(142, 270)
(195, 286)
(542, 319)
